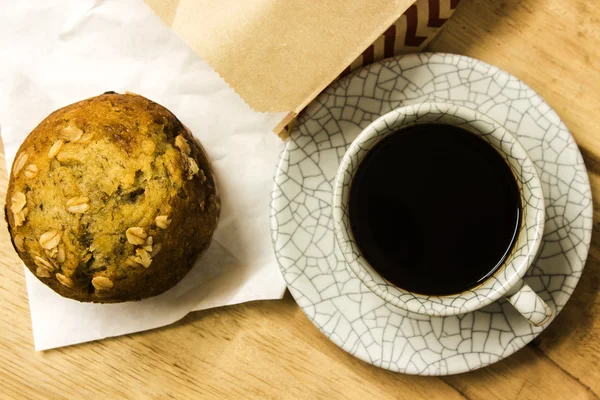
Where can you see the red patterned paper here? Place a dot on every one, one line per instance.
(410, 33)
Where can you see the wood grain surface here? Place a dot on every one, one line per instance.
(270, 350)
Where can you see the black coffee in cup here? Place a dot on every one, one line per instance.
(434, 209)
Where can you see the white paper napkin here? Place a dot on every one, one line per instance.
(58, 52)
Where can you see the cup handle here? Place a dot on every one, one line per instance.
(530, 305)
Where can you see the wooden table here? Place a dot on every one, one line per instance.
(271, 350)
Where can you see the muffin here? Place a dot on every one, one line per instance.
(111, 199)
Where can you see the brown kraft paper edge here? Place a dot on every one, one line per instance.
(266, 53)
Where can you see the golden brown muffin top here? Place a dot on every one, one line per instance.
(94, 190)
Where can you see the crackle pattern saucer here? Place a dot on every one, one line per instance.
(336, 301)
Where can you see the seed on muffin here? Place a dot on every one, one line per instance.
(156, 249)
(49, 240)
(64, 280)
(31, 171)
(182, 144)
(102, 283)
(20, 242)
(130, 261)
(21, 216)
(78, 205)
(192, 168)
(86, 137)
(55, 148)
(136, 235)
(51, 253)
(143, 257)
(18, 208)
(18, 200)
(20, 163)
(148, 244)
(202, 176)
(42, 263)
(70, 134)
(42, 272)
(60, 254)
(162, 221)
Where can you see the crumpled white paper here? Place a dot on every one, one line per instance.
(53, 53)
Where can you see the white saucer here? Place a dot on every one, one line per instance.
(335, 300)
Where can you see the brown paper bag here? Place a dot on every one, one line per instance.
(278, 55)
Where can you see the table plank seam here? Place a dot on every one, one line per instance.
(540, 353)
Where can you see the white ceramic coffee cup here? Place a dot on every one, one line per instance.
(506, 281)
